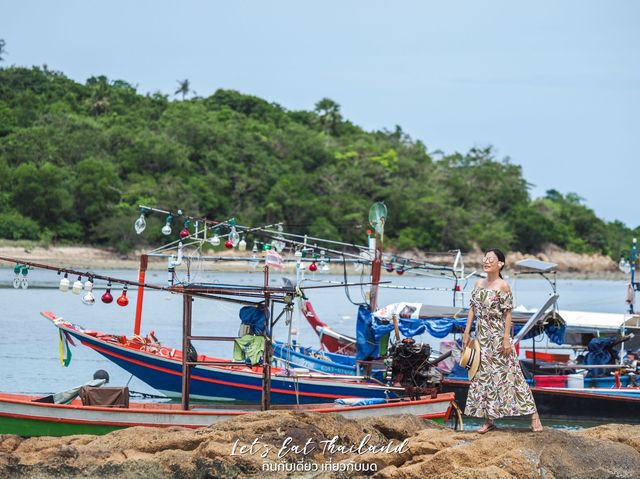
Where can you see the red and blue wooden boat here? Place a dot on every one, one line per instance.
(161, 368)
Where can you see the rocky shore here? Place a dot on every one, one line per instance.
(295, 444)
(569, 264)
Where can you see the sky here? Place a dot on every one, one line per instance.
(554, 84)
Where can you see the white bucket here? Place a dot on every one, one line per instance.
(575, 381)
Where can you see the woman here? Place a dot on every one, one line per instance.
(498, 389)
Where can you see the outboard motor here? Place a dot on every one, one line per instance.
(410, 367)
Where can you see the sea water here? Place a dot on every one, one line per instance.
(29, 354)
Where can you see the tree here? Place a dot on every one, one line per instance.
(2, 50)
(329, 112)
(183, 88)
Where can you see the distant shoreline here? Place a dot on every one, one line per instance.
(570, 265)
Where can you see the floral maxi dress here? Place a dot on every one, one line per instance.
(498, 389)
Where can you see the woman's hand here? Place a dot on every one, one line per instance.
(465, 340)
(506, 346)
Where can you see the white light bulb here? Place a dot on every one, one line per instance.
(140, 224)
(234, 237)
(88, 286)
(64, 285)
(77, 287)
(88, 299)
(242, 245)
(166, 229)
(215, 241)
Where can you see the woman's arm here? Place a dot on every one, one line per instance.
(508, 320)
(506, 340)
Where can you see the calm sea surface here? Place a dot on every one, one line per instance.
(29, 358)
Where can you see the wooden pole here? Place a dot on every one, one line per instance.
(266, 357)
(186, 342)
(144, 262)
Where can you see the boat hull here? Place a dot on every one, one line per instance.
(565, 403)
(21, 416)
(222, 382)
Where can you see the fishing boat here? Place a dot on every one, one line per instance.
(23, 416)
(216, 379)
(568, 403)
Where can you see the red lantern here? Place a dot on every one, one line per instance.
(390, 267)
(106, 297)
(228, 244)
(185, 232)
(123, 300)
(313, 266)
(400, 271)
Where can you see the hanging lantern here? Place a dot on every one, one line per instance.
(255, 247)
(88, 298)
(77, 286)
(107, 297)
(16, 279)
(234, 237)
(140, 223)
(64, 284)
(389, 267)
(400, 271)
(215, 239)
(166, 229)
(313, 267)
(123, 300)
(185, 231)
(278, 243)
(24, 283)
(242, 245)
(228, 244)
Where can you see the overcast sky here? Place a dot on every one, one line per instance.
(553, 84)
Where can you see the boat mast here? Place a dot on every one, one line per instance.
(144, 262)
(266, 354)
(377, 218)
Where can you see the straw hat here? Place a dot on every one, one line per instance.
(470, 359)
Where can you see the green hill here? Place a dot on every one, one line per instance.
(76, 160)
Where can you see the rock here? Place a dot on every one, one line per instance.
(266, 444)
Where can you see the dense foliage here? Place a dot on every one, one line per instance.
(76, 160)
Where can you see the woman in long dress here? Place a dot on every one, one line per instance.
(498, 389)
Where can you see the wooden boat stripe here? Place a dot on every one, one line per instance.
(93, 422)
(210, 380)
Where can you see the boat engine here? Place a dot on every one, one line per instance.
(410, 367)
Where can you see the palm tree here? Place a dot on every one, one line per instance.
(183, 88)
(329, 112)
(2, 50)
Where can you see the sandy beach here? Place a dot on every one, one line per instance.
(570, 264)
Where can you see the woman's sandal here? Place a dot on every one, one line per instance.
(486, 428)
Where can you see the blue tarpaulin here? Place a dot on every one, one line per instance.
(371, 328)
(367, 346)
(253, 317)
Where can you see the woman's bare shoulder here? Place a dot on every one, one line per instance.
(504, 286)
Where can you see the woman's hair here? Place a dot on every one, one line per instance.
(500, 256)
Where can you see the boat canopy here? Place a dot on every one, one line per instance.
(439, 321)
